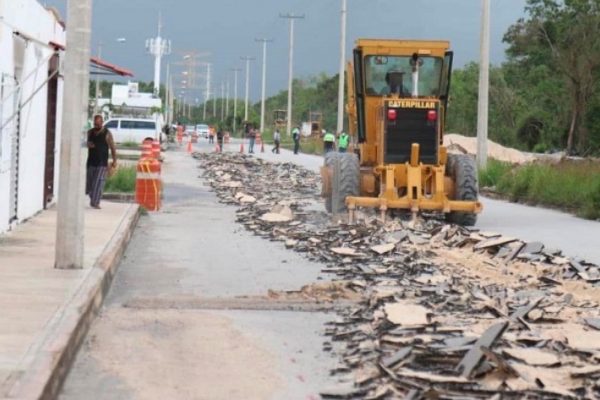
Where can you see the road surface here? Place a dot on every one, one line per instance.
(155, 340)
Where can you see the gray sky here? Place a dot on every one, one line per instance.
(227, 28)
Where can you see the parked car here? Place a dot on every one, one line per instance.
(133, 129)
(190, 130)
(202, 130)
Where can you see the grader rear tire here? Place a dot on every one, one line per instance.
(345, 180)
(463, 170)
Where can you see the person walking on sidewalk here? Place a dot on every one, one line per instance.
(276, 141)
(296, 138)
(329, 142)
(251, 138)
(99, 141)
(343, 142)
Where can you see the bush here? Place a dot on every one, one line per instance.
(122, 181)
(495, 170)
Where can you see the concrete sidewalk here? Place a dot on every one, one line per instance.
(44, 311)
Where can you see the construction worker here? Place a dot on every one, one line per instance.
(296, 137)
(343, 142)
(329, 142)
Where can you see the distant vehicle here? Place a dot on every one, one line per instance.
(190, 130)
(133, 129)
(202, 130)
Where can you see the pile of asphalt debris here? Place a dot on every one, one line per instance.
(446, 312)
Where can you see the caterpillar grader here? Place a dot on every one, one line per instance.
(397, 103)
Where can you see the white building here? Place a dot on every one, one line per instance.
(30, 108)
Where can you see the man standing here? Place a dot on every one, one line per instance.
(276, 141)
(251, 138)
(220, 136)
(329, 142)
(99, 141)
(296, 138)
(343, 142)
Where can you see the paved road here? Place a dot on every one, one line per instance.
(153, 340)
(575, 236)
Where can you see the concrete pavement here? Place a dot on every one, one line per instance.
(44, 309)
(155, 340)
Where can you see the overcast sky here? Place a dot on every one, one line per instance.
(227, 28)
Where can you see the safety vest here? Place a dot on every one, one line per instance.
(344, 140)
(329, 137)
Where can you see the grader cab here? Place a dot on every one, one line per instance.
(397, 102)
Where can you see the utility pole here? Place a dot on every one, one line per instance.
(235, 97)
(222, 101)
(264, 82)
(207, 96)
(70, 217)
(484, 82)
(247, 59)
(292, 18)
(158, 47)
(227, 98)
(96, 105)
(340, 109)
(167, 89)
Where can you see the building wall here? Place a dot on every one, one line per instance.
(30, 50)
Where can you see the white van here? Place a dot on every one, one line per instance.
(133, 129)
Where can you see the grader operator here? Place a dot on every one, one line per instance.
(397, 102)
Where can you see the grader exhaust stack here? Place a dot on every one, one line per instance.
(397, 102)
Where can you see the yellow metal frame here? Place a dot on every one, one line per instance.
(412, 186)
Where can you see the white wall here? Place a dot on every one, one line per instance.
(39, 27)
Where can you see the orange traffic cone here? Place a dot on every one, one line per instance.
(242, 147)
(189, 147)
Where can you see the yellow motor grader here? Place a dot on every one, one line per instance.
(397, 102)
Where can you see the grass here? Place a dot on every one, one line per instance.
(129, 145)
(308, 145)
(122, 181)
(569, 185)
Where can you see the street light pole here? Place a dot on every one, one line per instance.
(340, 109)
(222, 101)
(292, 18)
(235, 97)
(70, 216)
(247, 59)
(264, 82)
(484, 82)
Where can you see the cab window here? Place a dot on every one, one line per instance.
(127, 124)
(114, 124)
(144, 125)
(385, 75)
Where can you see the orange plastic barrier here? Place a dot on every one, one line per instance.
(148, 186)
(156, 149)
(146, 149)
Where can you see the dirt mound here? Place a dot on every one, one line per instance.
(468, 145)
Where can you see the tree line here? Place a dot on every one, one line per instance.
(543, 97)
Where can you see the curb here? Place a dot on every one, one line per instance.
(49, 367)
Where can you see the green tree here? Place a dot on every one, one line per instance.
(562, 36)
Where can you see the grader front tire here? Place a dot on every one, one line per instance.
(463, 170)
(345, 180)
